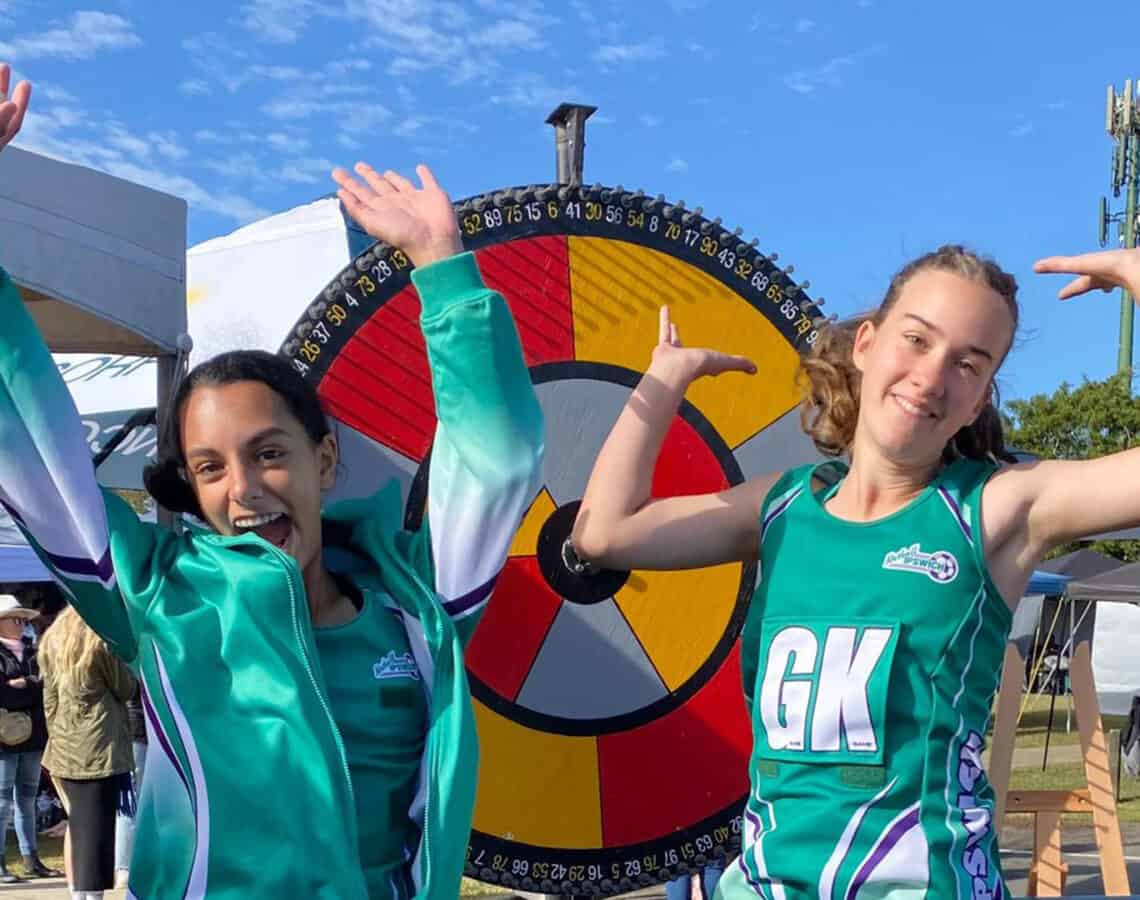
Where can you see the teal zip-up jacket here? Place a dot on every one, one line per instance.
(247, 790)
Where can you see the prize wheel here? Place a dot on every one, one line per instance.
(614, 738)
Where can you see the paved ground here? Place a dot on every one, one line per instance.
(45, 889)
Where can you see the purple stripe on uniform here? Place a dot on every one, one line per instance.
(754, 884)
(954, 508)
(779, 508)
(160, 733)
(12, 511)
(71, 565)
(901, 827)
(77, 565)
(471, 599)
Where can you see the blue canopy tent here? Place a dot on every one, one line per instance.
(1047, 583)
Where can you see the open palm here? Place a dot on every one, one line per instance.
(13, 108)
(420, 221)
(692, 363)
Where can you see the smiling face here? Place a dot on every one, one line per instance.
(253, 467)
(928, 366)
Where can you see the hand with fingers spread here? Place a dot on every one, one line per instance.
(681, 365)
(420, 221)
(12, 108)
(1105, 270)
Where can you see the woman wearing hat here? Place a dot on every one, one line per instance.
(23, 733)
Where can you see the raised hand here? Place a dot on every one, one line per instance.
(687, 364)
(12, 108)
(420, 221)
(1105, 270)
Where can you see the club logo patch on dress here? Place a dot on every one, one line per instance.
(396, 666)
(940, 566)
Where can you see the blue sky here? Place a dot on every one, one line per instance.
(848, 136)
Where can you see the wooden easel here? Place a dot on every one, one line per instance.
(1048, 870)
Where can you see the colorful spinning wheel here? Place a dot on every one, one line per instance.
(614, 738)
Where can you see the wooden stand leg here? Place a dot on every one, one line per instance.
(1005, 730)
(1048, 869)
(1106, 825)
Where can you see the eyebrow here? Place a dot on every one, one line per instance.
(980, 351)
(273, 431)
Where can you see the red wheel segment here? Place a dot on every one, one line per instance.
(680, 768)
(513, 627)
(534, 276)
(686, 465)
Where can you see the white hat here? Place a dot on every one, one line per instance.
(10, 608)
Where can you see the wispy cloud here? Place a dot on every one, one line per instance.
(1021, 129)
(168, 144)
(286, 143)
(351, 104)
(280, 21)
(803, 26)
(406, 65)
(508, 33)
(275, 73)
(613, 54)
(230, 205)
(649, 121)
(81, 37)
(530, 90)
(585, 15)
(828, 75)
(677, 165)
(449, 37)
(306, 171)
(195, 87)
(218, 60)
(65, 133)
(1056, 105)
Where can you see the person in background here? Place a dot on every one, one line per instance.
(21, 695)
(124, 823)
(86, 689)
(696, 885)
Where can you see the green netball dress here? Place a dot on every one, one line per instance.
(871, 655)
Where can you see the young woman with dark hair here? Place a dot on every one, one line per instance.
(312, 728)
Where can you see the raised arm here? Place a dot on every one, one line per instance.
(47, 482)
(486, 458)
(1030, 508)
(619, 524)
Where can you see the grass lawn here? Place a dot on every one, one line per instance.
(50, 850)
(1031, 733)
(1059, 778)
(1031, 728)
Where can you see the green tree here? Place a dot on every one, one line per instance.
(1083, 422)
